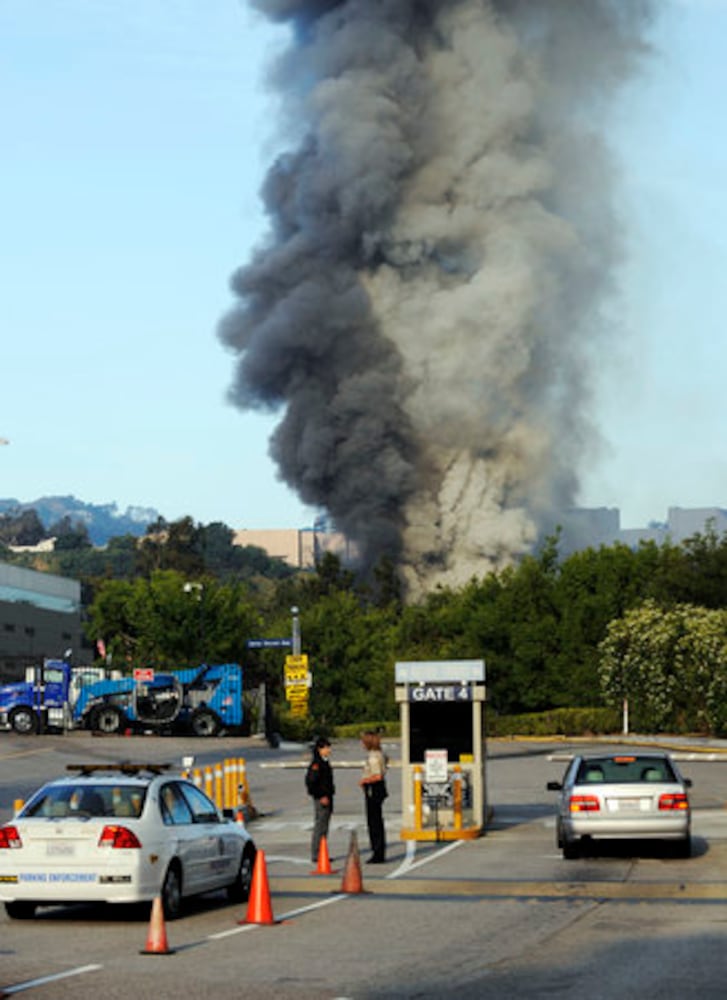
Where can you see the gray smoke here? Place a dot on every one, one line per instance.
(429, 302)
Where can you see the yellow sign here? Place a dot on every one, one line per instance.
(296, 675)
(297, 660)
(297, 692)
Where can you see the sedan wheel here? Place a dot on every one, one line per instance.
(172, 893)
(570, 849)
(239, 890)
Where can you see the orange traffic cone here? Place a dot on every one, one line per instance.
(259, 907)
(156, 941)
(352, 880)
(324, 861)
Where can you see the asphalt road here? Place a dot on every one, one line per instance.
(504, 916)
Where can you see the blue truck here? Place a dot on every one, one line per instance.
(203, 701)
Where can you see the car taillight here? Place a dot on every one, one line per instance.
(584, 803)
(673, 800)
(9, 837)
(118, 836)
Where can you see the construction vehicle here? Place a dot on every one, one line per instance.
(202, 700)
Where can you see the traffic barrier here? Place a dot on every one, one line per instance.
(156, 941)
(226, 784)
(324, 861)
(457, 796)
(259, 906)
(352, 881)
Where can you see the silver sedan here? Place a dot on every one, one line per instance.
(630, 796)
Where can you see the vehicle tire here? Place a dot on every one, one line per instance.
(172, 892)
(239, 890)
(24, 721)
(205, 722)
(20, 910)
(107, 719)
(571, 850)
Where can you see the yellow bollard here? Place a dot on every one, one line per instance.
(17, 806)
(209, 782)
(242, 785)
(197, 777)
(219, 792)
(418, 814)
(457, 796)
(228, 780)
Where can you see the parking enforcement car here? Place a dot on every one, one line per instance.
(121, 834)
(622, 796)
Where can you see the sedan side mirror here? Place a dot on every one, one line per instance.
(554, 786)
(687, 782)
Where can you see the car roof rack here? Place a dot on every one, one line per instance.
(126, 767)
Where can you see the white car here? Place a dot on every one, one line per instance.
(622, 796)
(121, 833)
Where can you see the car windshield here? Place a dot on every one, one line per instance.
(87, 799)
(624, 769)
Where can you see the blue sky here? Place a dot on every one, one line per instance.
(135, 137)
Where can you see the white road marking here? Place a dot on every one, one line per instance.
(42, 980)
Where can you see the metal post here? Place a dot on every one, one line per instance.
(296, 632)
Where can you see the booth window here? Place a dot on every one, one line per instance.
(440, 726)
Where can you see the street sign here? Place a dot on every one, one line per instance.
(268, 643)
(297, 675)
(296, 692)
(296, 660)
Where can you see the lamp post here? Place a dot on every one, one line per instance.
(190, 588)
(296, 631)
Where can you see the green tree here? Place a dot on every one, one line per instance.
(671, 665)
(157, 622)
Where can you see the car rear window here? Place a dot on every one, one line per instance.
(87, 799)
(624, 769)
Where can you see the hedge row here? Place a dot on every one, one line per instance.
(556, 722)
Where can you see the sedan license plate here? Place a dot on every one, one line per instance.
(60, 850)
(624, 805)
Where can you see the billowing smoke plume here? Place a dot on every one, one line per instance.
(428, 304)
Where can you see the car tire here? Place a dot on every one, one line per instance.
(107, 719)
(571, 849)
(205, 722)
(171, 893)
(239, 890)
(24, 721)
(20, 910)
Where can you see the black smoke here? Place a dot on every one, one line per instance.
(427, 306)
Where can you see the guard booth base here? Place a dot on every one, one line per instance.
(442, 749)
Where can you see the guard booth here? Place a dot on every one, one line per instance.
(442, 748)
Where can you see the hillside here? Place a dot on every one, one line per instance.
(102, 521)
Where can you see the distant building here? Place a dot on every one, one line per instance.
(301, 549)
(687, 521)
(40, 617)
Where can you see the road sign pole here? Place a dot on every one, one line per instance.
(296, 632)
